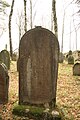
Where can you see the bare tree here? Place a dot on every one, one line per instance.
(10, 18)
(31, 13)
(75, 29)
(54, 17)
(64, 10)
(20, 24)
(3, 6)
(25, 26)
(63, 32)
(77, 2)
(70, 37)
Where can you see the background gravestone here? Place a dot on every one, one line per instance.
(76, 69)
(70, 58)
(4, 83)
(5, 58)
(78, 57)
(38, 67)
(61, 57)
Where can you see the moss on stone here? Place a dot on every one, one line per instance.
(30, 111)
(36, 112)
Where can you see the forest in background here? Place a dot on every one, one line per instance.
(22, 21)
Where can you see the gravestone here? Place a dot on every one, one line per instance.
(14, 56)
(5, 58)
(70, 58)
(61, 57)
(38, 67)
(4, 83)
(76, 69)
(78, 58)
(79, 54)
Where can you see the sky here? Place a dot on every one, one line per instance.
(42, 17)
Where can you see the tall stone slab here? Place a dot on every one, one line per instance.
(70, 58)
(38, 67)
(4, 83)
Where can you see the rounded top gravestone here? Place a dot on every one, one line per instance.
(5, 58)
(76, 69)
(70, 58)
(38, 66)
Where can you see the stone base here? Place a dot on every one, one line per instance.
(37, 113)
(53, 115)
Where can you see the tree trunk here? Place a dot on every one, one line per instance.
(70, 37)
(63, 32)
(31, 13)
(10, 18)
(54, 17)
(25, 26)
(75, 32)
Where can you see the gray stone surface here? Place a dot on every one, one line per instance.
(4, 83)
(5, 58)
(38, 66)
(70, 59)
(76, 69)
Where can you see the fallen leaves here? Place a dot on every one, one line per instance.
(68, 93)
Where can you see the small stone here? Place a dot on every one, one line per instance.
(27, 110)
(46, 110)
(55, 113)
(46, 105)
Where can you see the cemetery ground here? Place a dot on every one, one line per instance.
(68, 94)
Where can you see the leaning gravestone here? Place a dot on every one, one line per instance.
(5, 58)
(4, 84)
(38, 67)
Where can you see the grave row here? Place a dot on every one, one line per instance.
(75, 61)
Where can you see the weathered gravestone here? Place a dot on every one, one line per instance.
(61, 57)
(78, 57)
(4, 84)
(70, 58)
(5, 58)
(76, 69)
(38, 67)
